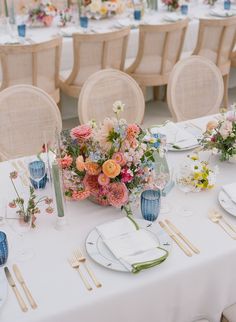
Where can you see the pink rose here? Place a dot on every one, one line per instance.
(103, 180)
(118, 194)
(65, 162)
(81, 132)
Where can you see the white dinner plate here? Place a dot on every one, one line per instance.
(3, 287)
(226, 203)
(99, 252)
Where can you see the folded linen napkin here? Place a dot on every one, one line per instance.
(176, 136)
(230, 190)
(135, 249)
(68, 31)
(218, 12)
(173, 17)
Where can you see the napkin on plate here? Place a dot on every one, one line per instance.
(230, 190)
(176, 136)
(68, 31)
(135, 249)
(173, 17)
(218, 12)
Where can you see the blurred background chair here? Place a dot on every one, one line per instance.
(216, 39)
(229, 314)
(105, 87)
(36, 64)
(195, 88)
(29, 118)
(93, 52)
(159, 49)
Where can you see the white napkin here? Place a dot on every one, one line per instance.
(7, 39)
(68, 31)
(173, 17)
(230, 190)
(218, 12)
(128, 245)
(175, 135)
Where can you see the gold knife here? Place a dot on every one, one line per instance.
(175, 230)
(25, 288)
(15, 290)
(169, 232)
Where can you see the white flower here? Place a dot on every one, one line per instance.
(214, 151)
(118, 107)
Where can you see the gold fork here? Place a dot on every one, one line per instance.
(75, 264)
(79, 256)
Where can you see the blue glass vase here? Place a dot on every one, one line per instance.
(3, 248)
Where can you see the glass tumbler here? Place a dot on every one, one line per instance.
(3, 248)
(150, 204)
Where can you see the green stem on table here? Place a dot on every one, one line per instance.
(129, 214)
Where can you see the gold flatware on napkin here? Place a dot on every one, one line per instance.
(76, 265)
(80, 258)
(25, 288)
(215, 219)
(175, 230)
(15, 290)
(179, 243)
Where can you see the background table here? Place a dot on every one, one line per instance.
(179, 290)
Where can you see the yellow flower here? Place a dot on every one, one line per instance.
(103, 11)
(195, 157)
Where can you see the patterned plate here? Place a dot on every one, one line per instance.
(99, 252)
(226, 203)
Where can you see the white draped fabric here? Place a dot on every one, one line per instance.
(181, 289)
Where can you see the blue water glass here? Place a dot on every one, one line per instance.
(3, 248)
(227, 5)
(184, 9)
(37, 173)
(21, 30)
(39, 184)
(83, 22)
(150, 204)
(137, 14)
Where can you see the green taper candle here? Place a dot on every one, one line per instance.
(57, 189)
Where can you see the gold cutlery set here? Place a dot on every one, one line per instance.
(13, 285)
(184, 244)
(78, 260)
(217, 218)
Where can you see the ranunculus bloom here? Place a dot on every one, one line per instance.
(118, 194)
(126, 175)
(65, 162)
(92, 168)
(111, 169)
(80, 165)
(81, 132)
(211, 125)
(91, 184)
(119, 158)
(103, 180)
(80, 195)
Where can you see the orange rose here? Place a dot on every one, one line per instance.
(92, 168)
(111, 169)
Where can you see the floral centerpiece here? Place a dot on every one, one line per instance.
(172, 5)
(196, 175)
(42, 14)
(108, 162)
(220, 135)
(101, 9)
(28, 209)
(65, 17)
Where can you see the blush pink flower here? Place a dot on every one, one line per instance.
(103, 134)
(126, 175)
(103, 180)
(80, 194)
(119, 158)
(132, 131)
(80, 165)
(226, 129)
(81, 132)
(91, 184)
(118, 194)
(65, 162)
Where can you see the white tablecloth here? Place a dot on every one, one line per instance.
(179, 290)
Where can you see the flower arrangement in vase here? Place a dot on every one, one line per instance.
(172, 5)
(42, 14)
(65, 17)
(220, 135)
(108, 162)
(101, 9)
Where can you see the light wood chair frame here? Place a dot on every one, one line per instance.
(34, 49)
(68, 86)
(162, 78)
(224, 68)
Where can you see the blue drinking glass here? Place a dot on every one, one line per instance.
(137, 14)
(3, 248)
(83, 22)
(21, 30)
(184, 9)
(227, 5)
(150, 204)
(38, 177)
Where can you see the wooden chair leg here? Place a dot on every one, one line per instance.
(143, 88)
(164, 98)
(156, 92)
(226, 83)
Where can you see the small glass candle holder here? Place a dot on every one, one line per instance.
(184, 9)
(227, 5)
(3, 248)
(21, 30)
(83, 22)
(150, 204)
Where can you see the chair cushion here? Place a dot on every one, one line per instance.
(230, 313)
